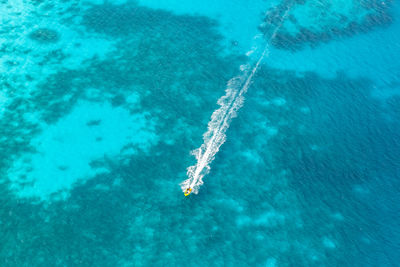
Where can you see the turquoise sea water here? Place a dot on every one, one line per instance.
(101, 103)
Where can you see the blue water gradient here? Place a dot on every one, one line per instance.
(102, 101)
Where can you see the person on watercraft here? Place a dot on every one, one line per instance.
(188, 191)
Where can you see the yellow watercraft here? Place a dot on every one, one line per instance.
(188, 191)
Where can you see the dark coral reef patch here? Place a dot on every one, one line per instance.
(44, 35)
(312, 22)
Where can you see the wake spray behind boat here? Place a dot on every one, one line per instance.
(229, 104)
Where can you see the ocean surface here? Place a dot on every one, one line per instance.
(102, 102)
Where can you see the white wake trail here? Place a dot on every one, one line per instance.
(230, 103)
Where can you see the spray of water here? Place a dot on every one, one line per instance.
(229, 104)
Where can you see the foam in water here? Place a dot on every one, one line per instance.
(229, 104)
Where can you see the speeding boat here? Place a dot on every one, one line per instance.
(187, 192)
